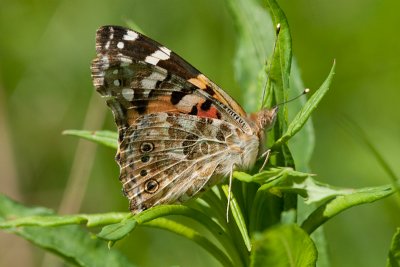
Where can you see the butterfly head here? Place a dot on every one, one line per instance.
(265, 118)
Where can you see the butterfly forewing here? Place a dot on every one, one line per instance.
(135, 70)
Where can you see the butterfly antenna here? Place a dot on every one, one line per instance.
(306, 91)
(278, 29)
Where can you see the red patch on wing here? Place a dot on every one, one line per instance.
(212, 112)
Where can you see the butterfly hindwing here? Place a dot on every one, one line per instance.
(169, 157)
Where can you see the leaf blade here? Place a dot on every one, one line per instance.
(302, 117)
(70, 242)
(282, 246)
(106, 138)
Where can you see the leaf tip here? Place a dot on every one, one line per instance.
(110, 244)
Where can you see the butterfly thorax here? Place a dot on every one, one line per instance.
(244, 150)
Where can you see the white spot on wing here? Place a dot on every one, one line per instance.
(128, 94)
(151, 60)
(117, 83)
(150, 81)
(107, 45)
(120, 45)
(130, 36)
(162, 54)
(105, 62)
(166, 50)
(115, 72)
(124, 60)
(112, 33)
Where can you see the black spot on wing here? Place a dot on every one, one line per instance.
(206, 105)
(176, 96)
(140, 105)
(209, 90)
(193, 111)
(158, 84)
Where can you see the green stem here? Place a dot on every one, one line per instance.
(190, 234)
(218, 232)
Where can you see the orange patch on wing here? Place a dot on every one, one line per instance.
(200, 81)
(161, 104)
(203, 83)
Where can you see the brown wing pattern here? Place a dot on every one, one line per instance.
(169, 157)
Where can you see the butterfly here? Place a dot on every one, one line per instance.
(178, 132)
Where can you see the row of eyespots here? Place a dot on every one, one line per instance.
(151, 186)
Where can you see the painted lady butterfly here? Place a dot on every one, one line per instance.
(179, 133)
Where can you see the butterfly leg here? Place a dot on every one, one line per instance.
(266, 155)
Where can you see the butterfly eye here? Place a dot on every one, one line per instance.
(151, 186)
(146, 147)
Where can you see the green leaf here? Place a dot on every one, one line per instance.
(393, 259)
(268, 175)
(280, 64)
(90, 220)
(117, 231)
(312, 191)
(238, 217)
(193, 235)
(70, 242)
(302, 117)
(106, 138)
(281, 246)
(255, 36)
(13, 215)
(74, 245)
(206, 220)
(343, 202)
(266, 209)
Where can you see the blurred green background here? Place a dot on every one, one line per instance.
(45, 87)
